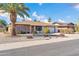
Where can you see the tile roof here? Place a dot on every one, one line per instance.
(63, 24)
(34, 23)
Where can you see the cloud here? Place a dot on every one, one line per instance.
(76, 6)
(34, 14)
(39, 17)
(6, 16)
(68, 16)
(40, 4)
(45, 20)
(29, 19)
(61, 21)
(19, 18)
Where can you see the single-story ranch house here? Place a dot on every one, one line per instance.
(38, 27)
(30, 27)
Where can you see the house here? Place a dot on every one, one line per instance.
(2, 28)
(64, 27)
(77, 28)
(30, 27)
(38, 27)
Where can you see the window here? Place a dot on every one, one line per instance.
(39, 28)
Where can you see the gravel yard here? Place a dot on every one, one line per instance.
(22, 37)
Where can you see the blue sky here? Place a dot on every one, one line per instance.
(57, 11)
(64, 11)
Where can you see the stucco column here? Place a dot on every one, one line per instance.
(30, 29)
(34, 31)
(34, 28)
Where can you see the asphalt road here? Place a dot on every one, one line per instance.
(67, 48)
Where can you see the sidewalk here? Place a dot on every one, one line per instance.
(15, 45)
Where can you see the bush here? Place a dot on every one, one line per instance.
(46, 30)
(2, 30)
(22, 32)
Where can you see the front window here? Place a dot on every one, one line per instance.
(39, 28)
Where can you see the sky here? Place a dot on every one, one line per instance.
(62, 12)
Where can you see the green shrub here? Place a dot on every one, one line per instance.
(22, 32)
(46, 30)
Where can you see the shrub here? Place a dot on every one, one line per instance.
(46, 30)
(22, 32)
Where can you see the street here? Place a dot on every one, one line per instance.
(66, 48)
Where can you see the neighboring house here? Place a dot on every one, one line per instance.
(30, 27)
(77, 28)
(2, 28)
(64, 27)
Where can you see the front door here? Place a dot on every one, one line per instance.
(38, 29)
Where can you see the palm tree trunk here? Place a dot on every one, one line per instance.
(13, 20)
(13, 32)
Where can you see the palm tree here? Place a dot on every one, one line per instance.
(35, 20)
(14, 9)
(49, 19)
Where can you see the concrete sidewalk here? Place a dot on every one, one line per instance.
(15, 45)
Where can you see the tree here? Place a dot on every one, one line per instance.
(39, 21)
(3, 22)
(14, 9)
(49, 19)
(35, 20)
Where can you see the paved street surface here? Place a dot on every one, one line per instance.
(66, 48)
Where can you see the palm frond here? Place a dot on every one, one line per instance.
(20, 8)
(20, 14)
(24, 12)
